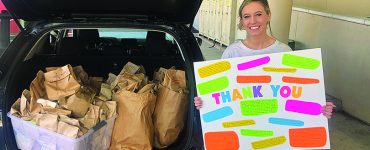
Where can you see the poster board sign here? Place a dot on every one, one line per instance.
(270, 101)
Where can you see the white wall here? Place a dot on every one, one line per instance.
(346, 57)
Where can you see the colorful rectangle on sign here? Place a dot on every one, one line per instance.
(287, 122)
(307, 137)
(227, 140)
(281, 70)
(218, 114)
(267, 143)
(253, 79)
(258, 107)
(297, 80)
(300, 62)
(238, 123)
(213, 85)
(309, 108)
(214, 69)
(254, 63)
(256, 133)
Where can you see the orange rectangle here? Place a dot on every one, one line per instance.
(287, 79)
(253, 79)
(227, 140)
(308, 137)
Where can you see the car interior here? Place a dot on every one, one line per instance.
(109, 51)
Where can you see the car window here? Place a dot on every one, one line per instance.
(106, 41)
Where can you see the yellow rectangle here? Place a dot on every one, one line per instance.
(238, 123)
(269, 142)
(214, 69)
(272, 69)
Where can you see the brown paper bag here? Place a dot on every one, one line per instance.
(95, 83)
(171, 108)
(68, 126)
(67, 129)
(82, 131)
(37, 90)
(47, 121)
(81, 76)
(107, 109)
(133, 128)
(56, 111)
(20, 108)
(130, 68)
(158, 76)
(105, 92)
(134, 81)
(47, 103)
(91, 118)
(174, 79)
(60, 83)
(111, 78)
(68, 120)
(62, 102)
(79, 102)
(141, 70)
(15, 109)
(169, 116)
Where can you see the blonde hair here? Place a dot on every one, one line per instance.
(264, 3)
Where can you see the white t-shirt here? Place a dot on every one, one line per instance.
(238, 49)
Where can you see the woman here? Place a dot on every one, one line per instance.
(255, 16)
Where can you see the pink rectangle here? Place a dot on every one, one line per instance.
(309, 108)
(254, 63)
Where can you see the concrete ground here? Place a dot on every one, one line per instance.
(346, 132)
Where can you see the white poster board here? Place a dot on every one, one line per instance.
(268, 101)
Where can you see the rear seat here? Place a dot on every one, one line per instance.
(131, 46)
(69, 46)
(156, 44)
(88, 37)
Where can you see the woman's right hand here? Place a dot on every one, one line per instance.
(198, 102)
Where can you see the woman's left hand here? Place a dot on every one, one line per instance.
(327, 109)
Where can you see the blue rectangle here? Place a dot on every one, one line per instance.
(287, 122)
(217, 114)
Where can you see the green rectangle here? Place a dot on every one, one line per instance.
(258, 107)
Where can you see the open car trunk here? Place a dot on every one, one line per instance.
(48, 47)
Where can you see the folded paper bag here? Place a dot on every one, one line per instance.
(78, 106)
(91, 118)
(60, 83)
(15, 109)
(68, 120)
(130, 68)
(67, 129)
(56, 111)
(47, 121)
(105, 92)
(47, 103)
(21, 108)
(107, 109)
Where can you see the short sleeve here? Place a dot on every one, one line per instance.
(226, 54)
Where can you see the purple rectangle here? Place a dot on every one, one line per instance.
(309, 108)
